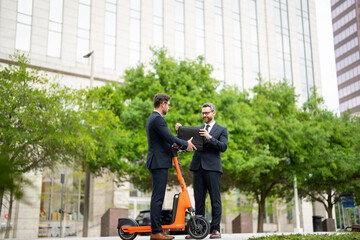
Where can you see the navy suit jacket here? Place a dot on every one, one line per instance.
(209, 159)
(160, 140)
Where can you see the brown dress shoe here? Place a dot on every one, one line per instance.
(215, 234)
(189, 237)
(160, 236)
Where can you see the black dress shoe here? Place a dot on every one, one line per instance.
(215, 234)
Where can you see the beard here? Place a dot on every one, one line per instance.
(164, 112)
(207, 119)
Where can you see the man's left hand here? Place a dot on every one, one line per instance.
(205, 134)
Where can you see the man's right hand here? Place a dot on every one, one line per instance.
(191, 146)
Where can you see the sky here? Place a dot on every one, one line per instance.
(327, 55)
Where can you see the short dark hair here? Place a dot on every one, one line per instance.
(160, 98)
(210, 105)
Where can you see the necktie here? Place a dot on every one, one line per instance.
(207, 127)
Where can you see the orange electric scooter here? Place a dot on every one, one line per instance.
(198, 227)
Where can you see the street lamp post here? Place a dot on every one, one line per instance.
(62, 207)
(297, 212)
(87, 176)
(92, 67)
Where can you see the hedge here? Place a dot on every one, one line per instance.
(338, 236)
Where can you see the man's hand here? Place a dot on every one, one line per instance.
(205, 134)
(191, 146)
(177, 125)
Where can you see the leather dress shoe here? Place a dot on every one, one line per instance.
(215, 234)
(188, 237)
(160, 236)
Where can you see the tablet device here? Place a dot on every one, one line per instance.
(186, 133)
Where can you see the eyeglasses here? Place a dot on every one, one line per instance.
(205, 113)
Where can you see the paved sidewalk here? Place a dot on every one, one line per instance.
(237, 236)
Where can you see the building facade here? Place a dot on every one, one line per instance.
(242, 39)
(345, 19)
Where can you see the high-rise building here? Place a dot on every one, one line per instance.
(242, 39)
(347, 52)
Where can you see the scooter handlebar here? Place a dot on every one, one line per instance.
(176, 148)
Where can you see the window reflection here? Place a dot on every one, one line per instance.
(179, 29)
(219, 41)
(254, 39)
(83, 34)
(237, 45)
(305, 48)
(110, 34)
(135, 28)
(23, 25)
(55, 28)
(282, 40)
(73, 201)
(158, 23)
(200, 29)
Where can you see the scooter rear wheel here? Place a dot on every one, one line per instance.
(198, 227)
(127, 236)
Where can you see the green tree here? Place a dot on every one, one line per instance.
(44, 123)
(264, 133)
(99, 134)
(332, 160)
(189, 84)
(36, 123)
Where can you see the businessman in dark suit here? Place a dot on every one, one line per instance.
(159, 159)
(207, 168)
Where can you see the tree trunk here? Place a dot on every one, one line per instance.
(330, 206)
(7, 230)
(86, 203)
(261, 215)
(1, 200)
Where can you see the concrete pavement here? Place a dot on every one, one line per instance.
(235, 236)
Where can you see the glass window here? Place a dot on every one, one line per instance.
(23, 35)
(25, 7)
(179, 29)
(83, 34)
(237, 45)
(55, 28)
(134, 47)
(254, 39)
(73, 196)
(219, 41)
(305, 48)
(158, 23)
(200, 28)
(110, 34)
(23, 26)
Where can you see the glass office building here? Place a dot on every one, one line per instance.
(346, 44)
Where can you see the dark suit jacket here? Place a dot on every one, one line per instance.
(210, 158)
(160, 140)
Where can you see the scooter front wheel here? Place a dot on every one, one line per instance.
(130, 223)
(198, 227)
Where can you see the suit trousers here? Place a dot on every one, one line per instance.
(159, 179)
(204, 181)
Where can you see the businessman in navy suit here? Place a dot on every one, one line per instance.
(159, 159)
(207, 169)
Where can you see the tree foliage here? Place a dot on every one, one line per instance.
(36, 123)
(264, 133)
(332, 161)
(187, 82)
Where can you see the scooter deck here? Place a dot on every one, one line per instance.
(132, 230)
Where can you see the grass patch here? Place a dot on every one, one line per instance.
(345, 236)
